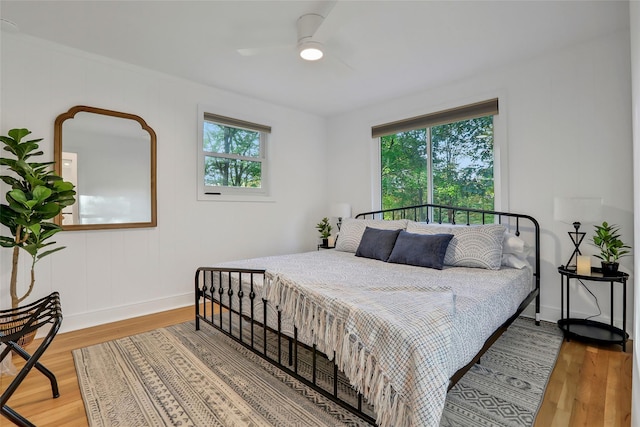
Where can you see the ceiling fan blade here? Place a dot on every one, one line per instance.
(334, 17)
(265, 50)
(342, 62)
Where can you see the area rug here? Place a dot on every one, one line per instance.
(176, 376)
(507, 387)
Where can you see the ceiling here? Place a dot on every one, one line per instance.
(376, 50)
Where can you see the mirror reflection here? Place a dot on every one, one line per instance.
(110, 157)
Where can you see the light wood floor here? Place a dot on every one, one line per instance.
(590, 386)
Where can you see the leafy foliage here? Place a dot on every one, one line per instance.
(324, 228)
(607, 238)
(36, 196)
(232, 159)
(461, 163)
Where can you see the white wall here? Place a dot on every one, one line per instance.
(634, 13)
(566, 120)
(112, 274)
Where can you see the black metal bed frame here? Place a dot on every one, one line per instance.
(223, 309)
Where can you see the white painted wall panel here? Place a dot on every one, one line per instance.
(111, 274)
(568, 131)
(634, 17)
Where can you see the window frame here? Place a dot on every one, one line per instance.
(500, 154)
(227, 193)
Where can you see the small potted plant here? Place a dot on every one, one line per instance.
(607, 238)
(325, 231)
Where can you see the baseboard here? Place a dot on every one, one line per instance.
(113, 314)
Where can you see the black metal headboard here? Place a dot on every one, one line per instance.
(439, 214)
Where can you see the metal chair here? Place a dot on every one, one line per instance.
(14, 325)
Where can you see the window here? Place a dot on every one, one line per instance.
(446, 158)
(232, 157)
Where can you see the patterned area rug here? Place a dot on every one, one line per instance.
(507, 387)
(176, 376)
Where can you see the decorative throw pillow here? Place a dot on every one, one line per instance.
(428, 228)
(377, 244)
(476, 246)
(352, 229)
(424, 250)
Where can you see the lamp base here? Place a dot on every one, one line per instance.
(576, 237)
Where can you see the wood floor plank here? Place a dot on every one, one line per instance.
(585, 378)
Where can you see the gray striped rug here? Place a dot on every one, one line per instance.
(176, 376)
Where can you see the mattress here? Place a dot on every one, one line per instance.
(399, 331)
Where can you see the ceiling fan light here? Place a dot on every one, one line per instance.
(311, 51)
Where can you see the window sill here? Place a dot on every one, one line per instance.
(235, 198)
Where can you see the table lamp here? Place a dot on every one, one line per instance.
(340, 210)
(577, 211)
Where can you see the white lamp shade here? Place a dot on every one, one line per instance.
(577, 209)
(341, 210)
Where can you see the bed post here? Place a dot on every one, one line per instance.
(197, 295)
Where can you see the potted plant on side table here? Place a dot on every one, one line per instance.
(324, 227)
(607, 238)
(36, 196)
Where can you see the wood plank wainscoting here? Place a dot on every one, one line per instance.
(590, 385)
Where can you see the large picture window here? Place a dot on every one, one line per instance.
(233, 157)
(445, 158)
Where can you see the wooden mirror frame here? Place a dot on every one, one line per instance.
(58, 149)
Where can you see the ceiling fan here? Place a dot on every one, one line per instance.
(313, 32)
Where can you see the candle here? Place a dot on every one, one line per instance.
(331, 241)
(584, 265)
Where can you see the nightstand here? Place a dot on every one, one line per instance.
(591, 330)
(325, 247)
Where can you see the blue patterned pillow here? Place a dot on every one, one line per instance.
(377, 244)
(423, 250)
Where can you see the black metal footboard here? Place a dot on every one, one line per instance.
(228, 300)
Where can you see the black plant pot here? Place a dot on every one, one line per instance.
(325, 243)
(610, 268)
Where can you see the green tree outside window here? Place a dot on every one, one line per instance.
(450, 164)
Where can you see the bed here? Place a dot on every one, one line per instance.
(405, 304)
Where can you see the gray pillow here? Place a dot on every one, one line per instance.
(423, 250)
(376, 243)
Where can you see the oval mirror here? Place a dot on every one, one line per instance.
(111, 158)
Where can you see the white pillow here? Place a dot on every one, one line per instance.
(476, 246)
(428, 228)
(515, 251)
(352, 229)
(513, 260)
(513, 244)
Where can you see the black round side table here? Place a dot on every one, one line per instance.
(591, 330)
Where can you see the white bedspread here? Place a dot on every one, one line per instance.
(399, 332)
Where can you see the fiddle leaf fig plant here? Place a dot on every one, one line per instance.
(36, 196)
(607, 238)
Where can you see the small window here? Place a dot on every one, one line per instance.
(232, 158)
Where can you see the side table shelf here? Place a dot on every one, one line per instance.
(591, 330)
